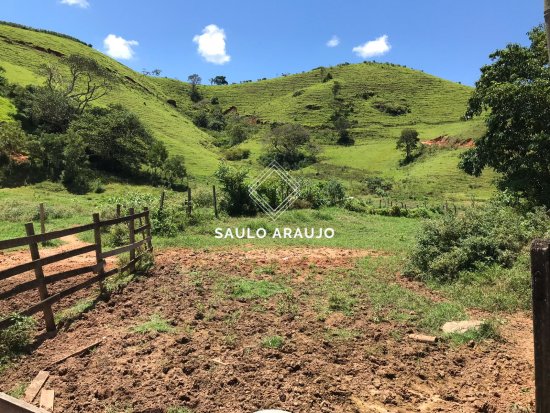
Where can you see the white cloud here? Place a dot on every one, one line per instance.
(119, 48)
(211, 45)
(333, 42)
(372, 48)
(80, 3)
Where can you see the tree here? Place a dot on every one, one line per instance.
(342, 123)
(218, 80)
(158, 154)
(156, 72)
(336, 88)
(115, 138)
(290, 145)
(174, 169)
(86, 81)
(195, 80)
(236, 200)
(408, 142)
(514, 94)
(76, 173)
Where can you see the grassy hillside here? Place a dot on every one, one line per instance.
(435, 107)
(23, 51)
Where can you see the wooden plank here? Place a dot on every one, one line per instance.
(19, 269)
(46, 399)
(9, 404)
(132, 236)
(77, 352)
(39, 274)
(36, 385)
(142, 229)
(540, 273)
(48, 236)
(120, 220)
(122, 250)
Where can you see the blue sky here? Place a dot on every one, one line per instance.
(255, 39)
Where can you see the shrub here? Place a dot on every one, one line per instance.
(494, 234)
(378, 186)
(336, 192)
(236, 200)
(237, 154)
(393, 109)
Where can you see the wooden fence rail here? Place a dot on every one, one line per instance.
(37, 263)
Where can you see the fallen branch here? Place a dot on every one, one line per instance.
(78, 352)
(422, 338)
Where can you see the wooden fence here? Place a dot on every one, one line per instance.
(37, 263)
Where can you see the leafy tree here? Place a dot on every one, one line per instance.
(46, 152)
(336, 88)
(13, 141)
(158, 154)
(76, 173)
(237, 133)
(290, 145)
(115, 138)
(514, 93)
(408, 142)
(156, 72)
(3, 81)
(216, 119)
(174, 169)
(218, 80)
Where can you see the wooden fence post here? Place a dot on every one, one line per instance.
(148, 223)
(98, 251)
(118, 208)
(540, 272)
(189, 202)
(42, 218)
(215, 201)
(132, 229)
(39, 273)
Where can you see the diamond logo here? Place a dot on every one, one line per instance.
(275, 190)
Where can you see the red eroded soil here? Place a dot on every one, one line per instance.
(213, 361)
(446, 141)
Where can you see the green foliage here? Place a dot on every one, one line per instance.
(236, 154)
(408, 142)
(318, 194)
(377, 185)
(15, 338)
(218, 80)
(61, 35)
(76, 172)
(393, 109)
(236, 199)
(116, 139)
(174, 169)
(493, 234)
(290, 146)
(513, 91)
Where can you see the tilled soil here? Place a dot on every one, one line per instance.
(213, 361)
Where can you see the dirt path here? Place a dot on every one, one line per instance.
(213, 360)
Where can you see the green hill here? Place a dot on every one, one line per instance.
(432, 105)
(23, 51)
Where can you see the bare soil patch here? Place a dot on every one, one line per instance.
(214, 359)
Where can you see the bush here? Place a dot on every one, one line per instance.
(236, 200)
(237, 154)
(393, 109)
(494, 234)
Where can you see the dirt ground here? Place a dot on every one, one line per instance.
(213, 361)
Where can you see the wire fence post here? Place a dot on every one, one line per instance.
(215, 199)
(132, 229)
(189, 202)
(98, 252)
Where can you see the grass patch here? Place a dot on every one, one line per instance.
(18, 391)
(488, 330)
(341, 334)
(245, 289)
(273, 342)
(69, 314)
(15, 339)
(155, 324)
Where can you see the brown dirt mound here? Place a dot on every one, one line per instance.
(214, 361)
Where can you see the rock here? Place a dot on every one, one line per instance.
(461, 326)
